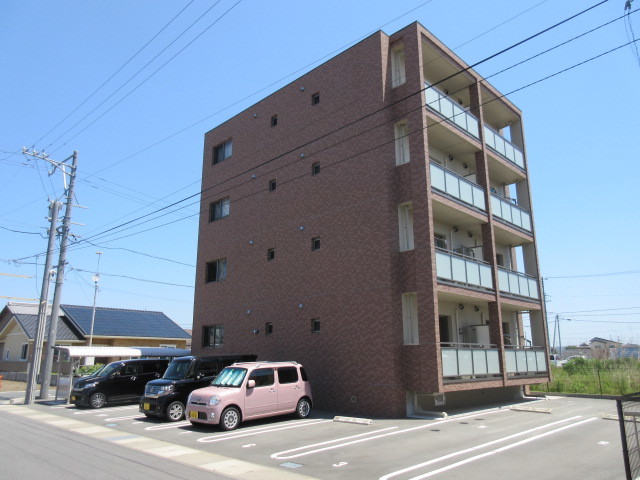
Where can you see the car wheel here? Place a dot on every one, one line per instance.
(175, 411)
(98, 400)
(304, 408)
(230, 419)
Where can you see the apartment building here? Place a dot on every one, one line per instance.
(372, 220)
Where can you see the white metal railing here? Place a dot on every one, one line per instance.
(503, 146)
(457, 268)
(511, 213)
(518, 283)
(525, 360)
(457, 186)
(449, 109)
(457, 362)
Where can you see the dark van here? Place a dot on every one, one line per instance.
(118, 382)
(166, 397)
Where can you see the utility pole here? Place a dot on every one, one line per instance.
(62, 260)
(34, 366)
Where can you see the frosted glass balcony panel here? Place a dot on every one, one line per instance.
(479, 362)
(458, 270)
(493, 362)
(503, 146)
(443, 266)
(465, 362)
(449, 362)
(456, 186)
(449, 109)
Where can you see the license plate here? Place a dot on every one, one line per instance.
(193, 414)
(146, 406)
(73, 398)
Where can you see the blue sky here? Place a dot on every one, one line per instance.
(141, 149)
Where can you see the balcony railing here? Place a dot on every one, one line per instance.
(457, 187)
(510, 213)
(526, 361)
(503, 146)
(510, 281)
(470, 361)
(458, 268)
(449, 109)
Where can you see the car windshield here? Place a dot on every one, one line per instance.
(108, 369)
(178, 370)
(230, 377)
(97, 372)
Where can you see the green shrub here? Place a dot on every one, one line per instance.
(88, 369)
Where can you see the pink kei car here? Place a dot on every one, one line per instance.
(246, 391)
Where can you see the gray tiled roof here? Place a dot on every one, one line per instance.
(27, 317)
(115, 322)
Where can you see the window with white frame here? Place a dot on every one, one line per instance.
(402, 142)
(222, 151)
(398, 75)
(405, 226)
(24, 352)
(219, 209)
(410, 318)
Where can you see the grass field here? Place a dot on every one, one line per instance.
(592, 376)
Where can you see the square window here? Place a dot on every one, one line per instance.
(315, 325)
(315, 99)
(268, 328)
(271, 254)
(216, 270)
(274, 120)
(219, 209)
(272, 185)
(213, 336)
(315, 168)
(222, 151)
(315, 243)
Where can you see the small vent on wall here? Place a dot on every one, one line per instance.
(439, 399)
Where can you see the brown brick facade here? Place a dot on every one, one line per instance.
(352, 284)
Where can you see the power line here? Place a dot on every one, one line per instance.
(602, 310)
(141, 83)
(92, 94)
(611, 274)
(135, 278)
(354, 122)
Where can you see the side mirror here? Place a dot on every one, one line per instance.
(251, 383)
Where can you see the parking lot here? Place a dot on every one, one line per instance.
(570, 438)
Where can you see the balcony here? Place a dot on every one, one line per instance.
(454, 113)
(503, 146)
(510, 213)
(457, 187)
(516, 283)
(526, 361)
(469, 361)
(462, 269)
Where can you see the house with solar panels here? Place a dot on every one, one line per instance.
(113, 327)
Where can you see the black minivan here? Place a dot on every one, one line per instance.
(166, 397)
(118, 382)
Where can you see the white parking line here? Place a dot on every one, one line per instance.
(94, 412)
(170, 425)
(280, 457)
(477, 447)
(128, 417)
(397, 432)
(259, 431)
(501, 449)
